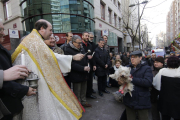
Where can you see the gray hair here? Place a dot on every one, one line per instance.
(75, 37)
(91, 33)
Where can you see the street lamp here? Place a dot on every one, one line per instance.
(132, 5)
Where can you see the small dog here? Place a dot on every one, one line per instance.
(123, 73)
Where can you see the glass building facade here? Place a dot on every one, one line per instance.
(65, 15)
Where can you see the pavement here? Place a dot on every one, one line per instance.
(103, 108)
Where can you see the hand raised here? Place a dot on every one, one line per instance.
(78, 57)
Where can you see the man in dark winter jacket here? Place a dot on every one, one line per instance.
(11, 92)
(87, 46)
(69, 36)
(79, 70)
(158, 64)
(102, 64)
(140, 102)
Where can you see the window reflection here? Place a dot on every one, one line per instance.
(63, 22)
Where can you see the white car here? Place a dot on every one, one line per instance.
(159, 52)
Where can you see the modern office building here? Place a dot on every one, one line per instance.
(65, 15)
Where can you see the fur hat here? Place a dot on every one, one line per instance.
(160, 59)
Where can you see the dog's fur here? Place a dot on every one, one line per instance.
(123, 73)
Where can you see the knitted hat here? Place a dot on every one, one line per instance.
(160, 59)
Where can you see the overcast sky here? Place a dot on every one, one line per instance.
(155, 17)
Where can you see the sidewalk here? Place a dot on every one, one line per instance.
(103, 108)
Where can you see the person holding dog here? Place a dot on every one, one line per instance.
(139, 104)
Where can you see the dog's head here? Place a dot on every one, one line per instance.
(122, 72)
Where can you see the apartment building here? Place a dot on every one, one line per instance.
(173, 21)
(160, 40)
(107, 16)
(10, 13)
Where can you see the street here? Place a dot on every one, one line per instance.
(103, 108)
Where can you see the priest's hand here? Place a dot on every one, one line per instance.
(86, 68)
(16, 72)
(31, 92)
(78, 57)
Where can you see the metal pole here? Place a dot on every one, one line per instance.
(139, 27)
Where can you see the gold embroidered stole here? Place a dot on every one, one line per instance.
(48, 65)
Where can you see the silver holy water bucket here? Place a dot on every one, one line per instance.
(33, 80)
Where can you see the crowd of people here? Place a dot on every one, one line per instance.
(79, 59)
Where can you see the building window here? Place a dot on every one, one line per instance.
(110, 14)
(119, 23)
(119, 6)
(7, 10)
(102, 11)
(115, 16)
(114, 2)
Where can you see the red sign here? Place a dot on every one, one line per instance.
(100, 25)
(14, 25)
(62, 37)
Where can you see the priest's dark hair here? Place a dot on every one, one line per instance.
(40, 24)
(173, 62)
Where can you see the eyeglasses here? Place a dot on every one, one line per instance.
(78, 42)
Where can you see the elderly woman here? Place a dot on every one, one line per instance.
(167, 81)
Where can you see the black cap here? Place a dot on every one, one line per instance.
(137, 53)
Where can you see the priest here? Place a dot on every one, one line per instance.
(54, 99)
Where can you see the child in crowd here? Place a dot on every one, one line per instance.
(112, 70)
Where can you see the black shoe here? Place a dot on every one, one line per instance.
(91, 96)
(108, 86)
(93, 91)
(105, 91)
(101, 94)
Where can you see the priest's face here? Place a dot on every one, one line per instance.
(47, 32)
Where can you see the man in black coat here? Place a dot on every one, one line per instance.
(102, 65)
(92, 62)
(69, 36)
(79, 70)
(139, 103)
(11, 92)
(87, 46)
